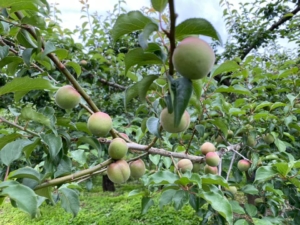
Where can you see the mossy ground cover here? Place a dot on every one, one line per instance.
(98, 207)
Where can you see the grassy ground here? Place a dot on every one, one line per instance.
(98, 207)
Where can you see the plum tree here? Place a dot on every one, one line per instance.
(193, 58)
(137, 168)
(212, 159)
(67, 97)
(210, 169)
(243, 165)
(118, 172)
(185, 165)
(268, 138)
(167, 121)
(117, 148)
(99, 124)
(207, 147)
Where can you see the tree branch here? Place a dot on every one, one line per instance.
(281, 21)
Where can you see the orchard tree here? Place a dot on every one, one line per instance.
(141, 97)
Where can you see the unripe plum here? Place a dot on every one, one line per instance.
(251, 141)
(118, 172)
(210, 169)
(268, 138)
(243, 165)
(167, 121)
(117, 148)
(193, 58)
(185, 165)
(137, 168)
(99, 124)
(212, 159)
(207, 147)
(67, 97)
(232, 189)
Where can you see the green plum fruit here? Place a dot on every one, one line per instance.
(268, 138)
(67, 97)
(210, 169)
(99, 124)
(117, 148)
(185, 165)
(243, 165)
(207, 147)
(251, 141)
(167, 121)
(212, 159)
(118, 172)
(232, 189)
(137, 168)
(193, 58)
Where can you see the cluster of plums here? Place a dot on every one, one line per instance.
(212, 160)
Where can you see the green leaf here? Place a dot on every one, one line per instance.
(276, 105)
(163, 177)
(198, 88)
(93, 142)
(25, 39)
(236, 208)
(26, 55)
(147, 202)
(54, 144)
(182, 89)
(64, 167)
(49, 48)
(79, 156)
(153, 126)
(24, 197)
(251, 210)
(10, 60)
(214, 179)
(25, 172)
(159, 5)
(4, 50)
(139, 89)
(12, 151)
(166, 197)
(257, 221)
(237, 89)
(69, 200)
(127, 23)
(241, 222)
(280, 145)
(250, 189)
(75, 66)
(262, 105)
(8, 138)
(225, 67)
(29, 114)
(154, 159)
(138, 57)
(29, 148)
(221, 124)
(26, 84)
(291, 98)
(220, 204)
(264, 173)
(180, 198)
(198, 26)
(46, 192)
(283, 168)
(147, 31)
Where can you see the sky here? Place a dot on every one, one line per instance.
(208, 9)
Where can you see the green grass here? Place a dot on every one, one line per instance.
(98, 207)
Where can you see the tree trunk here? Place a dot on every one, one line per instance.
(107, 185)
